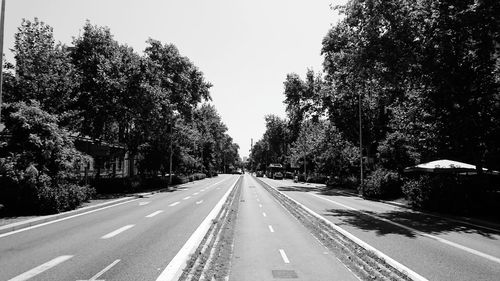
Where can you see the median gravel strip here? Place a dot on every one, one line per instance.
(211, 260)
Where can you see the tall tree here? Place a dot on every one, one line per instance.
(43, 69)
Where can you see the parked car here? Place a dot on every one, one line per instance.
(278, 176)
(259, 174)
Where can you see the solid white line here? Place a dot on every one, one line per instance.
(175, 268)
(154, 214)
(271, 228)
(41, 268)
(444, 241)
(283, 256)
(118, 231)
(66, 218)
(264, 214)
(173, 204)
(199, 202)
(144, 203)
(187, 197)
(94, 278)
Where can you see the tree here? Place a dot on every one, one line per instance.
(98, 59)
(307, 144)
(38, 163)
(43, 69)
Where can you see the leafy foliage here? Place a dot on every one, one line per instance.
(38, 163)
(103, 90)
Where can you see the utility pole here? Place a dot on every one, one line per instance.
(251, 160)
(360, 148)
(2, 21)
(171, 152)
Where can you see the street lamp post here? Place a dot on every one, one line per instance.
(360, 147)
(2, 21)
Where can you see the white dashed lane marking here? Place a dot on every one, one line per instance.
(41, 268)
(283, 256)
(143, 203)
(94, 278)
(271, 228)
(264, 214)
(118, 231)
(154, 214)
(187, 197)
(173, 204)
(199, 202)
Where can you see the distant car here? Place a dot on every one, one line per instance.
(278, 176)
(259, 174)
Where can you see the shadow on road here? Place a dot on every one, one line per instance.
(417, 221)
(299, 188)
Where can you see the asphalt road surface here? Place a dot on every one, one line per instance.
(132, 241)
(434, 247)
(270, 244)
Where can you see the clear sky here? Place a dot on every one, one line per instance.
(244, 48)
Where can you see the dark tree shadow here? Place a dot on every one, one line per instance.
(419, 222)
(299, 188)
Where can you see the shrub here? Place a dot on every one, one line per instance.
(179, 179)
(39, 164)
(317, 179)
(61, 198)
(440, 192)
(382, 183)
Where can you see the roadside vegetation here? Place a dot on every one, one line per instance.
(155, 105)
(422, 78)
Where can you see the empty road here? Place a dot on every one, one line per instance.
(134, 240)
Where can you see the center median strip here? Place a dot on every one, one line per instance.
(176, 266)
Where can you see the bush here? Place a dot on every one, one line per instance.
(179, 179)
(39, 164)
(350, 182)
(317, 179)
(41, 196)
(382, 183)
(441, 192)
(199, 176)
(64, 197)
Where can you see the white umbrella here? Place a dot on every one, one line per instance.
(446, 166)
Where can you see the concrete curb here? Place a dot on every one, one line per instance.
(44, 219)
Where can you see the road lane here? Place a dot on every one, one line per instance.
(276, 245)
(143, 249)
(431, 258)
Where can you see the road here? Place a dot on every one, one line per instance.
(270, 244)
(434, 247)
(134, 240)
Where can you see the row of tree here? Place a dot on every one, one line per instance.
(421, 77)
(154, 104)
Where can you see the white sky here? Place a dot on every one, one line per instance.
(244, 48)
